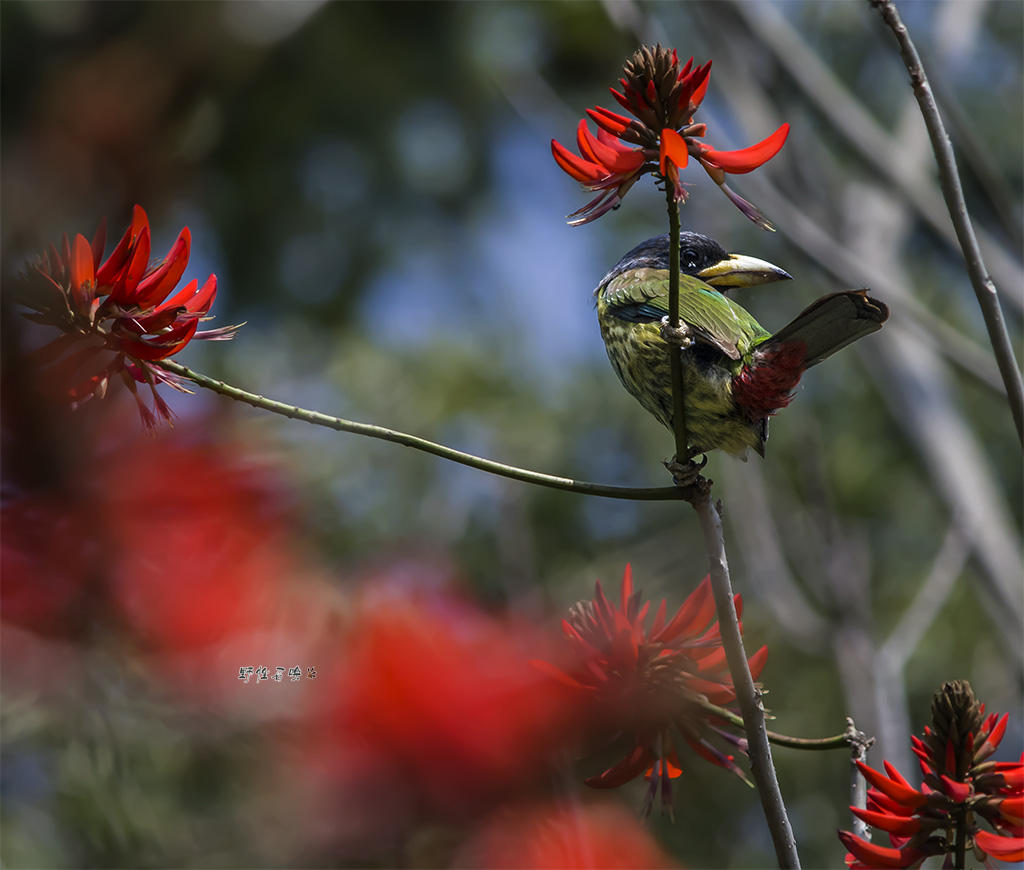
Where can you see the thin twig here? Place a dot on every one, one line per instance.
(837, 741)
(953, 193)
(747, 695)
(665, 493)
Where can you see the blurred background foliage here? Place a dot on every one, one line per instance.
(372, 185)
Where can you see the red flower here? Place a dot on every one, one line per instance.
(960, 786)
(118, 316)
(438, 699)
(598, 836)
(180, 550)
(662, 99)
(645, 682)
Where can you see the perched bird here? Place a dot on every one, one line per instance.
(735, 373)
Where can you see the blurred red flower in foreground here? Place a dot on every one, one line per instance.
(548, 836)
(192, 563)
(960, 786)
(662, 99)
(649, 683)
(118, 316)
(438, 699)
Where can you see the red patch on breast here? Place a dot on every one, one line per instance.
(767, 383)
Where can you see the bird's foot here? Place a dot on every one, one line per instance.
(686, 474)
(680, 335)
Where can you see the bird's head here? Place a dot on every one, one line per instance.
(700, 257)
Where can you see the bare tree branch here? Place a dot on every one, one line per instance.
(984, 288)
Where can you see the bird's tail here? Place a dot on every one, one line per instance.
(830, 324)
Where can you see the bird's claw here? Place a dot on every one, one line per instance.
(679, 335)
(686, 474)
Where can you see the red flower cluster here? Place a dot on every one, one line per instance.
(438, 699)
(118, 316)
(662, 99)
(960, 785)
(647, 682)
(193, 558)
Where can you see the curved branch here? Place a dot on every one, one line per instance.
(837, 741)
(664, 493)
(953, 193)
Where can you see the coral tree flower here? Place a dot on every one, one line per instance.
(118, 315)
(961, 786)
(438, 699)
(647, 682)
(662, 98)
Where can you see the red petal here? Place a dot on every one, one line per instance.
(99, 242)
(629, 768)
(580, 169)
(659, 618)
(900, 793)
(1012, 809)
(108, 272)
(610, 121)
(878, 856)
(950, 757)
(703, 74)
(1013, 775)
(887, 804)
(748, 159)
(992, 740)
(621, 100)
(673, 147)
(716, 693)
(627, 586)
(1008, 849)
(958, 791)
(902, 826)
(713, 661)
(616, 161)
(685, 71)
(196, 302)
(757, 662)
(155, 287)
(83, 276)
(163, 347)
(894, 774)
(123, 291)
(694, 614)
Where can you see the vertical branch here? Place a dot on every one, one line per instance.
(859, 744)
(758, 748)
(953, 193)
(675, 362)
(747, 694)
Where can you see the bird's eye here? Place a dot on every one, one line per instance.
(689, 257)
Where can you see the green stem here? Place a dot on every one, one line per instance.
(664, 493)
(675, 360)
(960, 855)
(839, 741)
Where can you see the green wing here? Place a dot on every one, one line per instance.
(641, 295)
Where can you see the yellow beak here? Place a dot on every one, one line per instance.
(739, 270)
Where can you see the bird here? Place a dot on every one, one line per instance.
(736, 374)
